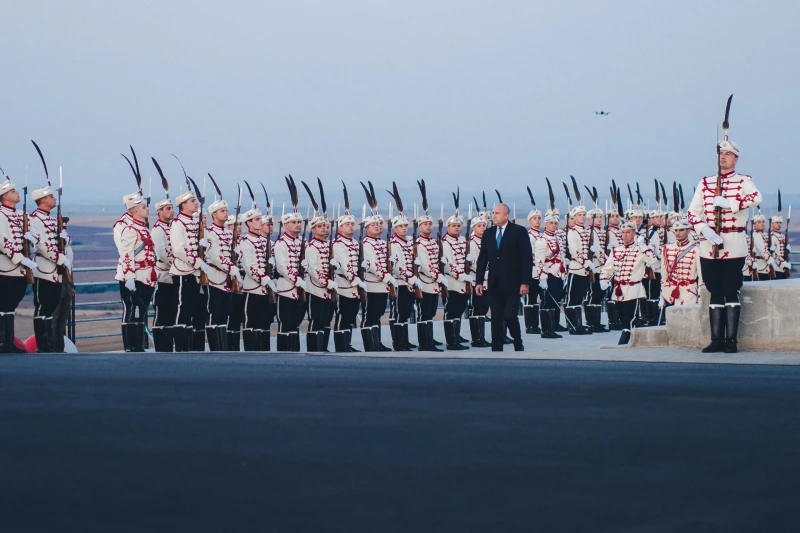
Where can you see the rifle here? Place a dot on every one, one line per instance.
(567, 254)
(235, 289)
(361, 291)
(414, 266)
(331, 270)
(786, 243)
(66, 273)
(718, 210)
(751, 254)
(301, 294)
(439, 240)
(201, 253)
(26, 245)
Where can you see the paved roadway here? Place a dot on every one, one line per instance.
(118, 443)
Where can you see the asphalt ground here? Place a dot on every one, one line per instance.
(223, 442)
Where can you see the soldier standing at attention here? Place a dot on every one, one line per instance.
(166, 297)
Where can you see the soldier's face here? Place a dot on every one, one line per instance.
(374, 230)
(579, 219)
(293, 227)
(776, 226)
(347, 229)
(598, 221)
(454, 230)
(681, 234)
(657, 221)
(758, 225)
(140, 212)
(637, 221)
(426, 228)
(613, 220)
(627, 236)
(221, 216)
(266, 229)
(11, 198)
(189, 206)
(167, 213)
(727, 160)
(401, 230)
(254, 225)
(478, 229)
(320, 231)
(551, 226)
(536, 221)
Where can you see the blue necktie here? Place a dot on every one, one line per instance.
(499, 236)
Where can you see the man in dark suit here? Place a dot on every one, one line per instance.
(506, 251)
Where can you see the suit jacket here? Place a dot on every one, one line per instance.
(511, 265)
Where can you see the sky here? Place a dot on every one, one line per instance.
(471, 94)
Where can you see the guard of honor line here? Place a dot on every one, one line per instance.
(218, 277)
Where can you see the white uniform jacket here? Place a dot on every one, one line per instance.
(549, 256)
(11, 241)
(625, 268)
(375, 273)
(318, 279)
(428, 257)
(681, 279)
(345, 253)
(218, 257)
(44, 229)
(160, 235)
(454, 253)
(183, 238)
(137, 259)
(287, 265)
(253, 260)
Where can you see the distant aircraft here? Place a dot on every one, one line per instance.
(603, 113)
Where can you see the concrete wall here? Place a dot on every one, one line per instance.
(770, 320)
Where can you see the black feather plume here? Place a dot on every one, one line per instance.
(164, 182)
(322, 202)
(200, 197)
(683, 204)
(533, 202)
(658, 193)
(135, 160)
(372, 192)
(311, 195)
(421, 184)
(456, 198)
(675, 201)
(181, 164)
(630, 194)
(477, 206)
(663, 194)
(552, 196)
(346, 199)
(293, 191)
(370, 200)
(214, 183)
(613, 195)
(252, 196)
(592, 195)
(266, 197)
(780, 205)
(639, 199)
(47, 174)
(397, 201)
(499, 198)
(576, 189)
(135, 176)
(569, 198)
(485, 208)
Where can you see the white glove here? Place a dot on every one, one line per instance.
(131, 285)
(237, 274)
(365, 264)
(543, 283)
(361, 283)
(594, 248)
(417, 262)
(335, 263)
(587, 264)
(470, 258)
(271, 261)
(64, 235)
(204, 267)
(67, 263)
(467, 278)
(640, 240)
(771, 248)
(605, 284)
(788, 247)
(304, 264)
(593, 268)
(30, 237)
(332, 285)
(721, 201)
(661, 303)
(28, 263)
(238, 250)
(203, 242)
(773, 264)
(413, 280)
(445, 260)
(711, 235)
(443, 281)
(271, 284)
(393, 282)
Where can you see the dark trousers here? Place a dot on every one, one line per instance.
(479, 305)
(627, 312)
(320, 313)
(62, 315)
(201, 315)
(723, 279)
(136, 303)
(346, 312)
(290, 314)
(375, 309)
(504, 307)
(554, 295)
(403, 306)
(219, 306)
(759, 276)
(236, 317)
(780, 274)
(426, 307)
(534, 293)
(255, 311)
(456, 303)
(12, 291)
(46, 295)
(596, 294)
(189, 301)
(577, 289)
(653, 286)
(166, 305)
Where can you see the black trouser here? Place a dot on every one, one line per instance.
(346, 312)
(596, 294)
(653, 286)
(46, 295)
(219, 306)
(290, 314)
(255, 311)
(504, 307)
(723, 279)
(166, 305)
(236, 318)
(577, 289)
(762, 276)
(534, 292)
(627, 312)
(189, 301)
(375, 309)
(479, 305)
(12, 291)
(427, 306)
(404, 305)
(780, 274)
(135, 304)
(456, 303)
(320, 313)
(201, 315)
(552, 297)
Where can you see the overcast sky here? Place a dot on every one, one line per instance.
(483, 94)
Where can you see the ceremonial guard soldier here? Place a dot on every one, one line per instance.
(165, 302)
(655, 240)
(779, 247)
(319, 278)
(427, 261)
(136, 272)
(681, 279)
(238, 299)
(613, 238)
(376, 276)
(402, 257)
(549, 258)
(763, 262)
(459, 280)
(290, 284)
(530, 308)
(254, 262)
(14, 266)
(580, 270)
(221, 274)
(478, 303)
(185, 271)
(345, 261)
(597, 255)
(719, 212)
(625, 269)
